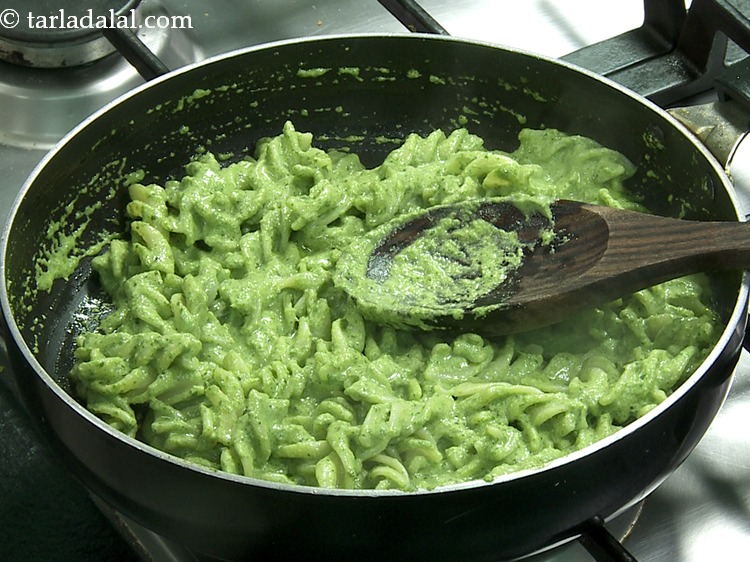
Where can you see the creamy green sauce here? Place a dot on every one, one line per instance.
(455, 263)
(312, 72)
(229, 344)
(448, 265)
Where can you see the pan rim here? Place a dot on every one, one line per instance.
(733, 326)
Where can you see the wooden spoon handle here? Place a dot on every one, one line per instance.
(610, 253)
(662, 248)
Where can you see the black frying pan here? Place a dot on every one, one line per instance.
(404, 84)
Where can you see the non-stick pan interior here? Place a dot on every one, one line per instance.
(359, 93)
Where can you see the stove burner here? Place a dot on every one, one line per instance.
(42, 33)
(39, 105)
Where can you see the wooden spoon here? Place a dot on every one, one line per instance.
(602, 254)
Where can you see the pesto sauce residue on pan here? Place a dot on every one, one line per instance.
(230, 346)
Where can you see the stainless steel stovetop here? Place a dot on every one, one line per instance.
(701, 512)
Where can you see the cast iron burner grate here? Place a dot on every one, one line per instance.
(675, 54)
(51, 80)
(40, 33)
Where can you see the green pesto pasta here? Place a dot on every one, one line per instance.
(230, 346)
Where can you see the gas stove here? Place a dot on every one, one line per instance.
(701, 511)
